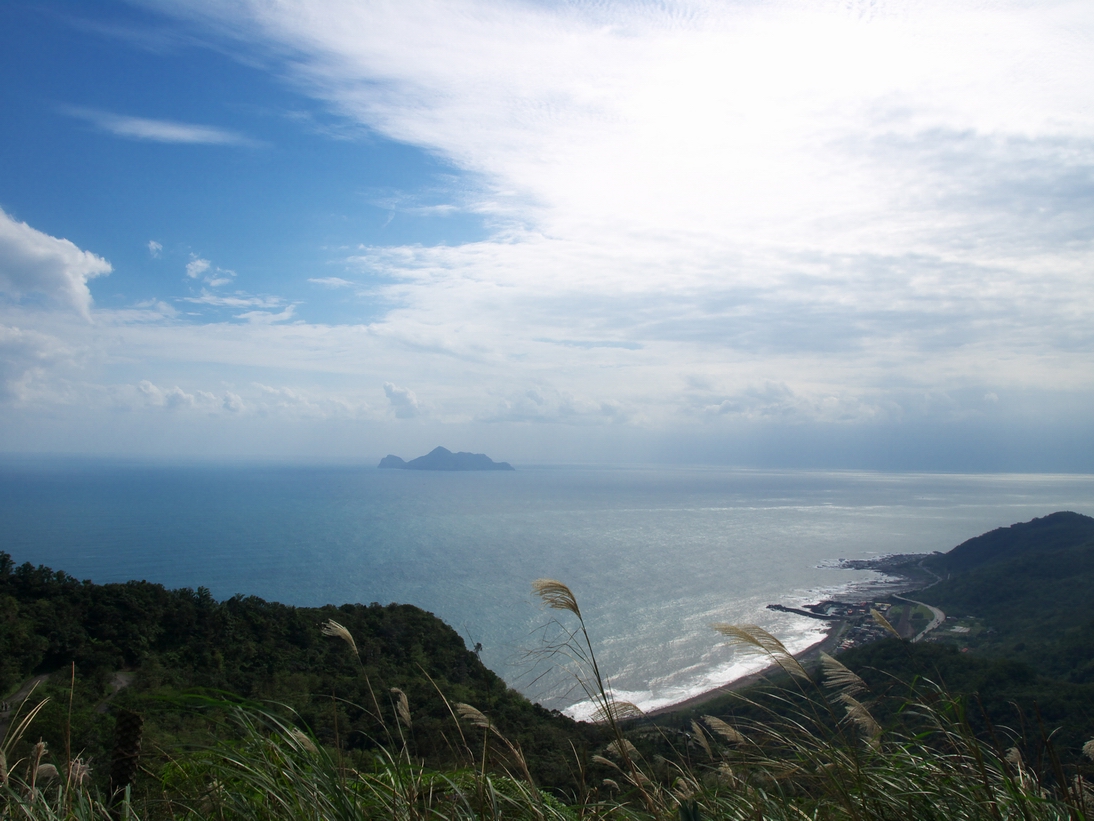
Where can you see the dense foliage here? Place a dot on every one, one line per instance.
(171, 641)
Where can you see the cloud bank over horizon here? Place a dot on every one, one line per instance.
(838, 234)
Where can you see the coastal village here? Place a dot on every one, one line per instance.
(862, 621)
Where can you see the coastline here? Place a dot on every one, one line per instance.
(806, 657)
(900, 573)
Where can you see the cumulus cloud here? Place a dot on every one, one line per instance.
(402, 401)
(171, 398)
(154, 249)
(32, 262)
(160, 131)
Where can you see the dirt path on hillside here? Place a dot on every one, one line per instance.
(12, 702)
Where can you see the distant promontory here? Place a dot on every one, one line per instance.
(444, 459)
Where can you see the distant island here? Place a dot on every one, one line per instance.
(444, 459)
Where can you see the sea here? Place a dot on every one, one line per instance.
(654, 555)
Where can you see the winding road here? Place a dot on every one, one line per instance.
(939, 617)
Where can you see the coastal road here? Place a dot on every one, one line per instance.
(938, 615)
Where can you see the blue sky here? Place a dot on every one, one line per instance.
(837, 234)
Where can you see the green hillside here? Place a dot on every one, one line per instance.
(166, 642)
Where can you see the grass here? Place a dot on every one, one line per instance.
(810, 750)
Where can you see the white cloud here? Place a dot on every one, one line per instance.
(25, 355)
(170, 398)
(266, 317)
(239, 300)
(699, 214)
(402, 400)
(196, 267)
(161, 131)
(764, 179)
(32, 262)
(331, 282)
(154, 249)
(233, 402)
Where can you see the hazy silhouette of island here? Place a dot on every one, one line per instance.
(444, 459)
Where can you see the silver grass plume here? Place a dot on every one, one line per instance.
(473, 716)
(724, 730)
(556, 595)
(701, 737)
(78, 772)
(884, 622)
(333, 628)
(300, 738)
(838, 677)
(1088, 749)
(607, 762)
(754, 638)
(613, 711)
(1014, 757)
(861, 718)
(402, 706)
(616, 749)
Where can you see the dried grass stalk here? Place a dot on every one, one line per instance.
(556, 595)
(333, 628)
(614, 711)
(473, 716)
(724, 730)
(402, 706)
(861, 717)
(701, 737)
(754, 638)
(616, 749)
(884, 622)
(300, 738)
(838, 677)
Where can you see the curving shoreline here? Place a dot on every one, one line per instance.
(901, 573)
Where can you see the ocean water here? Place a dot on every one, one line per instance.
(654, 555)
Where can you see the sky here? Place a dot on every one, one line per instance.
(823, 234)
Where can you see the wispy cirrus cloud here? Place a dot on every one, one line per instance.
(160, 131)
(238, 300)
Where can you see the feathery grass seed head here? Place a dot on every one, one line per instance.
(838, 677)
(861, 717)
(754, 638)
(556, 595)
(473, 716)
(300, 738)
(333, 628)
(611, 711)
(616, 749)
(402, 706)
(723, 729)
(884, 622)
